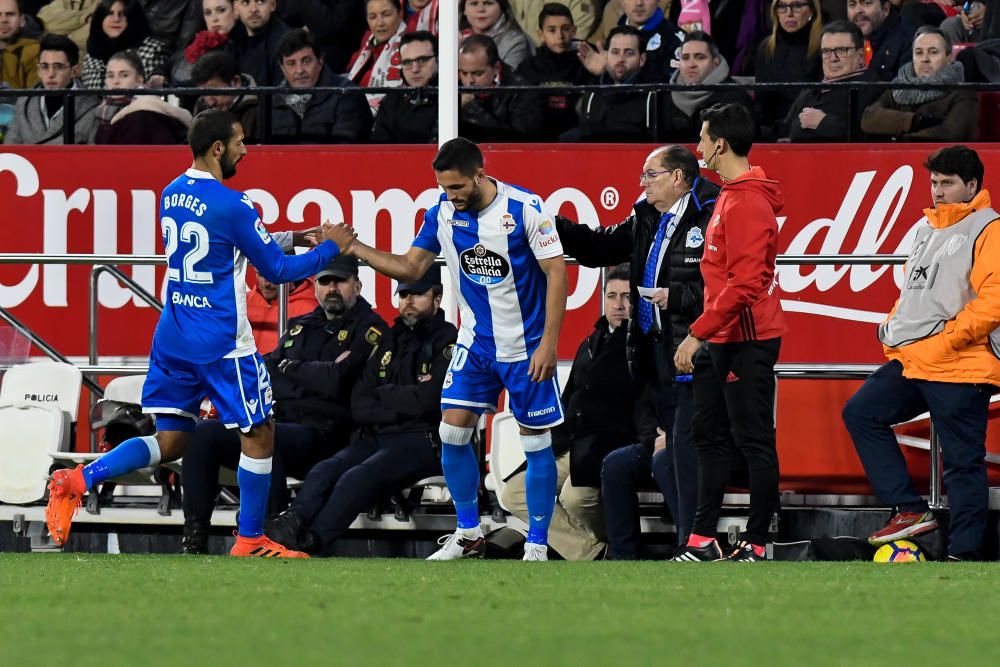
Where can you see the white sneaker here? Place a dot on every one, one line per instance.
(535, 551)
(457, 545)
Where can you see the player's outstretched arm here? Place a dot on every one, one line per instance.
(405, 268)
(545, 358)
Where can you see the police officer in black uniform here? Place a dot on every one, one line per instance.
(313, 370)
(397, 406)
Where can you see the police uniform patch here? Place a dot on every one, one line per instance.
(296, 330)
(386, 358)
(373, 335)
(342, 335)
(449, 351)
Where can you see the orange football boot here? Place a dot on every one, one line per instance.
(66, 491)
(262, 547)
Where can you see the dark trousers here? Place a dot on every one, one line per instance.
(734, 401)
(959, 414)
(297, 449)
(624, 472)
(350, 482)
(680, 476)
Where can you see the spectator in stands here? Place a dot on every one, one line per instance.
(119, 25)
(262, 309)
(138, 119)
(314, 371)
(218, 69)
(422, 15)
(409, 115)
(888, 37)
(666, 257)
(603, 412)
(610, 14)
(825, 114)
(790, 53)
(700, 63)
(220, 19)
(70, 18)
(337, 26)
(609, 115)
(397, 405)
(322, 118)
(39, 120)
(493, 116)
(495, 19)
(555, 63)
(661, 38)
(173, 22)
(583, 16)
(926, 115)
(971, 25)
(259, 56)
(376, 63)
(939, 339)
(18, 54)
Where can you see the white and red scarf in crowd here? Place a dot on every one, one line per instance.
(386, 71)
(425, 19)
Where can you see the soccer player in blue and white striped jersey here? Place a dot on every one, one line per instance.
(203, 344)
(506, 263)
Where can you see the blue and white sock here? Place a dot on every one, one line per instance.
(254, 477)
(130, 455)
(540, 485)
(461, 472)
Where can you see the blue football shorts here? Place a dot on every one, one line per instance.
(474, 382)
(239, 388)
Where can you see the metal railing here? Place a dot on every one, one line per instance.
(265, 111)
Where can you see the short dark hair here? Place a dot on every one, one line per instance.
(133, 59)
(678, 157)
(960, 161)
(842, 27)
(702, 36)
(619, 272)
(215, 65)
(208, 127)
(625, 30)
(419, 36)
(934, 30)
(295, 40)
(459, 154)
(554, 9)
(52, 42)
(731, 122)
(476, 42)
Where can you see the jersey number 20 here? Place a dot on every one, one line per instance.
(195, 234)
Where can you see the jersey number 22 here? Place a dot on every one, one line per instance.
(195, 234)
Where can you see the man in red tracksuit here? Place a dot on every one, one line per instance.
(733, 346)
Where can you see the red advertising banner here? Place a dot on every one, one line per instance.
(860, 199)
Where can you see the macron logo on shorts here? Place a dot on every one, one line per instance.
(541, 413)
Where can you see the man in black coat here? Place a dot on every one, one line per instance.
(603, 412)
(498, 116)
(887, 34)
(315, 118)
(397, 406)
(409, 115)
(664, 240)
(257, 41)
(314, 371)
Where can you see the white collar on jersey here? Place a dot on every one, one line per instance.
(197, 173)
(680, 205)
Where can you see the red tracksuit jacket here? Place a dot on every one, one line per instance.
(742, 299)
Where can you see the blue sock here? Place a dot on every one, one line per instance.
(461, 472)
(540, 489)
(254, 477)
(130, 455)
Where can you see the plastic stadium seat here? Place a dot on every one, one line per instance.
(38, 403)
(506, 452)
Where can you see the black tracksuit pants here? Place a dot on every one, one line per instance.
(734, 393)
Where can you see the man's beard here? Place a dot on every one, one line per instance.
(333, 305)
(228, 166)
(475, 200)
(410, 320)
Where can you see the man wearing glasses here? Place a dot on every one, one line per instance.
(39, 120)
(409, 116)
(825, 114)
(663, 240)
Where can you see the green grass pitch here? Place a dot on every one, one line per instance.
(69, 609)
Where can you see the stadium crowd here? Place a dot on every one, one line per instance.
(129, 45)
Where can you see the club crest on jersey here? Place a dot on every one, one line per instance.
(482, 266)
(507, 223)
(695, 238)
(261, 232)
